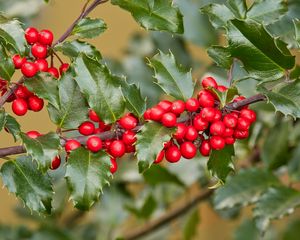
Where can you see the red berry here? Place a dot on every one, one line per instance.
(31, 35)
(35, 103)
(188, 150)
(238, 134)
(222, 88)
(33, 134)
(29, 69)
(55, 162)
(72, 145)
(18, 61)
(53, 71)
(39, 51)
(129, 148)
(169, 119)
(165, 105)
(117, 148)
(3, 84)
(129, 137)
(42, 65)
(128, 122)
(191, 133)
(86, 128)
(180, 131)
(218, 115)
(93, 116)
(147, 114)
(94, 144)
(19, 107)
(248, 114)
(208, 114)
(206, 99)
(192, 105)
(22, 92)
(229, 140)
(209, 82)
(228, 132)
(156, 113)
(113, 165)
(107, 143)
(45, 37)
(173, 154)
(243, 124)
(205, 148)
(178, 107)
(200, 124)
(217, 128)
(217, 142)
(63, 68)
(230, 120)
(11, 98)
(160, 157)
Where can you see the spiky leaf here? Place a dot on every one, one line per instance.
(89, 28)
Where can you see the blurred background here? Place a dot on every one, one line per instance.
(133, 199)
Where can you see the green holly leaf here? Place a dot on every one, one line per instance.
(292, 231)
(100, 88)
(89, 28)
(264, 58)
(73, 109)
(284, 97)
(220, 162)
(227, 96)
(12, 35)
(87, 173)
(42, 149)
(247, 231)
(45, 86)
(266, 11)
(21, 177)
(146, 210)
(221, 56)
(7, 68)
(275, 203)
(2, 118)
(243, 188)
(157, 175)
(159, 15)
(294, 164)
(276, 146)
(13, 127)
(190, 227)
(74, 48)
(171, 77)
(297, 30)
(150, 141)
(238, 8)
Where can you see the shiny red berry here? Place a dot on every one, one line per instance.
(31, 35)
(217, 142)
(45, 37)
(128, 122)
(178, 107)
(205, 148)
(39, 51)
(117, 148)
(208, 114)
(200, 124)
(209, 82)
(180, 131)
(169, 119)
(206, 99)
(55, 162)
(228, 132)
(29, 69)
(147, 115)
(160, 157)
(222, 88)
(33, 134)
(23, 92)
(217, 128)
(19, 107)
(53, 71)
(18, 61)
(156, 113)
(86, 128)
(63, 68)
(165, 105)
(229, 140)
(243, 124)
(94, 144)
(248, 114)
(230, 120)
(218, 115)
(188, 150)
(113, 165)
(238, 134)
(72, 145)
(191, 133)
(129, 137)
(192, 105)
(173, 154)
(35, 103)
(42, 65)
(93, 116)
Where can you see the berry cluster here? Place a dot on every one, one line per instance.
(205, 126)
(40, 42)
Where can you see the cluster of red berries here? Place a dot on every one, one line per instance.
(205, 126)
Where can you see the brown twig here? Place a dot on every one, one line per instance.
(168, 216)
(245, 102)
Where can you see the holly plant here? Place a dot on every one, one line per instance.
(161, 119)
